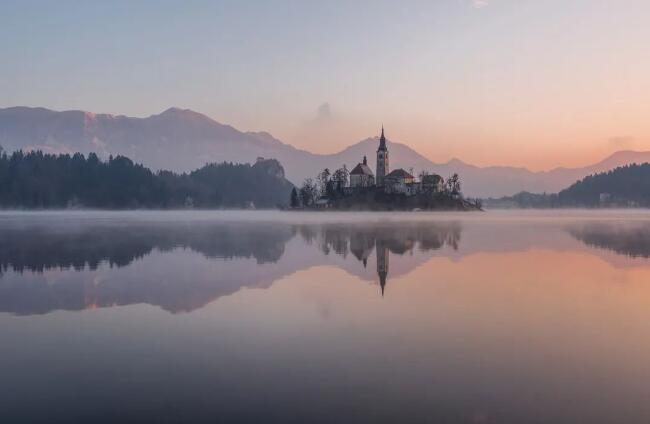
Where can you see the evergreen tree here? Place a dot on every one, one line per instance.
(295, 200)
(38, 180)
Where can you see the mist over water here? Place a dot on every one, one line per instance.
(503, 317)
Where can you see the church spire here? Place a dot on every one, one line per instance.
(382, 159)
(382, 140)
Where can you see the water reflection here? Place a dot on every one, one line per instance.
(182, 266)
(626, 238)
(41, 247)
(385, 239)
(77, 267)
(484, 319)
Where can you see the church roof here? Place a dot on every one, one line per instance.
(361, 169)
(399, 173)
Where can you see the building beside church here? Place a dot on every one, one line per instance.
(361, 176)
(401, 182)
(432, 183)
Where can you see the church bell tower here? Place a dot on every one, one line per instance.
(382, 159)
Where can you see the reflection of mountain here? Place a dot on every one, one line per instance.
(73, 262)
(631, 239)
(74, 267)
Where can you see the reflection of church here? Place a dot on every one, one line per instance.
(361, 247)
(382, 264)
(395, 239)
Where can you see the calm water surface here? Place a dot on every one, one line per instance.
(499, 317)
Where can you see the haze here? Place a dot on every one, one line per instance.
(527, 83)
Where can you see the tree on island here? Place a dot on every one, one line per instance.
(452, 186)
(323, 179)
(341, 177)
(308, 192)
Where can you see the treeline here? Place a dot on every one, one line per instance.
(36, 180)
(525, 200)
(625, 186)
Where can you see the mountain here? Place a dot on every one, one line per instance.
(182, 140)
(176, 139)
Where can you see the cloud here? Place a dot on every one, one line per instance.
(324, 111)
(478, 4)
(327, 129)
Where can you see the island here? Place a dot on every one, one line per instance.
(398, 189)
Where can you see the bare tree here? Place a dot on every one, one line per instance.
(341, 176)
(323, 178)
(308, 192)
(452, 186)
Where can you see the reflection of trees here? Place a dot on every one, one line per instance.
(630, 239)
(88, 246)
(38, 249)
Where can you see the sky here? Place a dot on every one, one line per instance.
(538, 84)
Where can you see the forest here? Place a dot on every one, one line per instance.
(625, 186)
(36, 180)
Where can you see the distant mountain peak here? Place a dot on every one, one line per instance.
(184, 113)
(455, 161)
(174, 110)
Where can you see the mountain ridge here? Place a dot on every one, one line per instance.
(182, 140)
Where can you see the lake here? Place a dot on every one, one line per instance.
(237, 317)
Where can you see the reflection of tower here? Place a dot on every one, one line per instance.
(382, 159)
(382, 264)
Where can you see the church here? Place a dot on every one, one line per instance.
(397, 181)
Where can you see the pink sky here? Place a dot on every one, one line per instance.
(500, 82)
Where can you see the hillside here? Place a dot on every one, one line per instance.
(182, 140)
(41, 181)
(623, 186)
